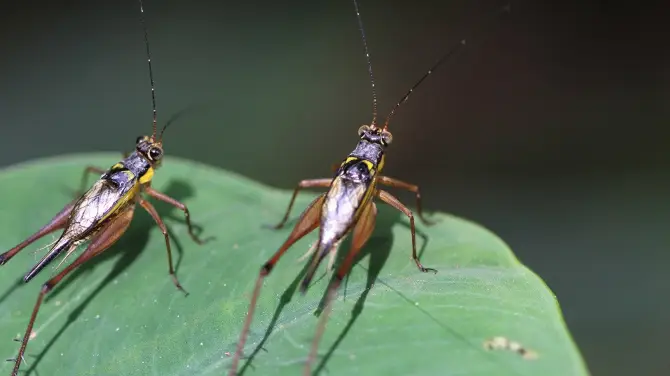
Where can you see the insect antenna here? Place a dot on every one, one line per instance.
(151, 74)
(451, 52)
(367, 56)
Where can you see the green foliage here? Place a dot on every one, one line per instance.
(121, 314)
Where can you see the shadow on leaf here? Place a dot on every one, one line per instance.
(378, 248)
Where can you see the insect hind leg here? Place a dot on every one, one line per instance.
(108, 236)
(56, 223)
(361, 235)
(309, 220)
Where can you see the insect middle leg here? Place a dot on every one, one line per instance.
(311, 183)
(57, 222)
(391, 200)
(391, 182)
(167, 199)
(154, 214)
(105, 238)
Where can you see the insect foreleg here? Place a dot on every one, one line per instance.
(312, 183)
(56, 223)
(391, 200)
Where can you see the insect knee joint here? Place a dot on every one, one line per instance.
(47, 287)
(266, 269)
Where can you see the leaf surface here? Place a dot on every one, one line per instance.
(120, 314)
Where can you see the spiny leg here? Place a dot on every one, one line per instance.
(313, 248)
(331, 261)
(312, 183)
(23, 358)
(56, 223)
(154, 214)
(333, 254)
(362, 233)
(309, 252)
(391, 200)
(391, 182)
(167, 199)
(309, 220)
(105, 238)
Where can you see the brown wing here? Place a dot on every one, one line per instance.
(102, 201)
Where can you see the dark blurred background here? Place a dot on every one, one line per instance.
(551, 129)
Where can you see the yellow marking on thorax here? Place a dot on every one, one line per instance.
(380, 167)
(117, 166)
(349, 159)
(370, 165)
(123, 200)
(370, 191)
(144, 179)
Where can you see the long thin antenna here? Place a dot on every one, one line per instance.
(452, 51)
(367, 56)
(441, 60)
(151, 74)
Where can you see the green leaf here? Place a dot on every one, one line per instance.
(121, 314)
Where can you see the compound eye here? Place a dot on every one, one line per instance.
(139, 139)
(155, 153)
(363, 129)
(387, 138)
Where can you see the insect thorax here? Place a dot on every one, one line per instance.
(369, 151)
(363, 163)
(136, 163)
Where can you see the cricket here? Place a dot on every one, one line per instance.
(103, 213)
(347, 207)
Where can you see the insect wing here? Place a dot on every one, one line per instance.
(105, 198)
(340, 208)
